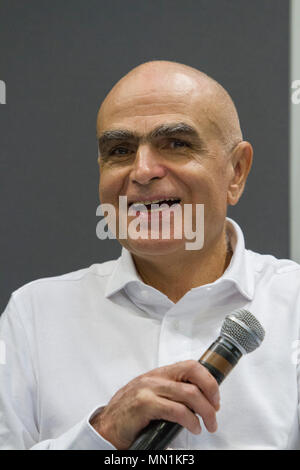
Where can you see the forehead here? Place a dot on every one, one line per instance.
(146, 102)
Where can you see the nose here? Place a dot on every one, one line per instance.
(148, 165)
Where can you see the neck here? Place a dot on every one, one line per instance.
(175, 276)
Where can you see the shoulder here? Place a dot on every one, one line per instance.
(282, 274)
(269, 263)
(71, 283)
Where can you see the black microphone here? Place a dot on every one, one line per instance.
(240, 334)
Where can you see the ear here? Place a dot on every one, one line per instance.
(241, 161)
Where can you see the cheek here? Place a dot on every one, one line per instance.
(217, 195)
(210, 186)
(110, 185)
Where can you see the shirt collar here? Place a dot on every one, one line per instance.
(240, 272)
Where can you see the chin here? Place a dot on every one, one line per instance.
(153, 247)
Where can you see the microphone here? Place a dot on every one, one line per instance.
(241, 333)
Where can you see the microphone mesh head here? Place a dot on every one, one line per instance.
(243, 329)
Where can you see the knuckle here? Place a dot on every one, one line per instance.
(143, 397)
(146, 381)
(210, 381)
(191, 391)
(163, 370)
(211, 385)
(192, 365)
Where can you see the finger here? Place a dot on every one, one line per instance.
(176, 413)
(193, 372)
(185, 393)
(191, 396)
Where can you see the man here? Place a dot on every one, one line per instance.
(93, 356)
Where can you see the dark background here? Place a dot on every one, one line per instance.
(59, 58)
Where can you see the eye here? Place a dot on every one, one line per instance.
(119, 151)
(178, 143)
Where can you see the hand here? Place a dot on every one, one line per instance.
(173, 393)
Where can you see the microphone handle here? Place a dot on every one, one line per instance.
(219, 359)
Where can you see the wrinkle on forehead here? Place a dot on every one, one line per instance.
(160, 86)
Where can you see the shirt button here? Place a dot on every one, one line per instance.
(176, 325)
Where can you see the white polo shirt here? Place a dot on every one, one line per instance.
(72, 341)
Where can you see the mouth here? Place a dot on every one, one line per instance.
(153, 204)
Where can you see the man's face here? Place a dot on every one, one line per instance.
(167, 146)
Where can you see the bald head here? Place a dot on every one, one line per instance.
(169, 132)
(156, 82)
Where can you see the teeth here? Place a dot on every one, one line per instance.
(155, 201)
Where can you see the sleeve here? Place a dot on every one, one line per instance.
(19, 427)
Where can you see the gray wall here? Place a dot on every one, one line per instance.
(59, 59)
(295, 135)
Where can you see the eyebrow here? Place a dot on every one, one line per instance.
(164, 130)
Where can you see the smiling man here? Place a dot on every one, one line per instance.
(169, 132)
(95, 355)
